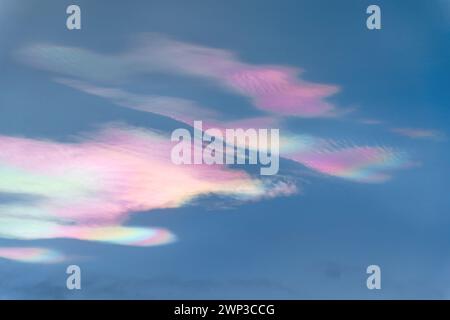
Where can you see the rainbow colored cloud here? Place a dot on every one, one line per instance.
(357, 163)
(369, 164)
(86, 190)
(31, 255)
(272, 88)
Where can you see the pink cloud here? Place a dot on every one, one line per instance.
(31, 255)
(86, 190)
(272, 88)
(278, 90)
(356, 163)
(366, 164)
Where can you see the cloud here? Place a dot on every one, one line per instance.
(182, 110)
(30, 228)
(368, 164)
(416, 133)
(370, 121)
(86, 190)
(272, 88)
(179, 109)
(76, 62)
(343, 160)
(31, 255)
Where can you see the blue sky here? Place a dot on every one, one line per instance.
(392, 95)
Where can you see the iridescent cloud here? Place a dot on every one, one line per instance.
(356, 163)
(369, 164)
(182, 110)
(276, 89)
(86, 190)
(37, 227)
(272, 88)
(31, 255)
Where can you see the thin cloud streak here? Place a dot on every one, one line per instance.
(417, 133)
(31, 255)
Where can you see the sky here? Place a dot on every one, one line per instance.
(86, 176)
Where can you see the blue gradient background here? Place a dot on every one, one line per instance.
(313, 245)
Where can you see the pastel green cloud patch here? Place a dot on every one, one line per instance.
(69, 185)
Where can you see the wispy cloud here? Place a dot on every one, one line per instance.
(369, 121)
(344, 160)
(417, 133)
(368, 164)
(86, 190)
(182, 110)
(77, 62)
(179, 109)
(272, 88)
(31, 255)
